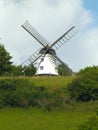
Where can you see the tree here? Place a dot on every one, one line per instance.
(64, 70)
(5, 63)
(29, 70)
(88, 70)
(23, 70)
(16, 70)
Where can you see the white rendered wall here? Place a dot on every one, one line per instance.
(47, 66)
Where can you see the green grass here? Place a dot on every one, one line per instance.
(52, 81)
(38, 119)
(47, 81)
(35, 119)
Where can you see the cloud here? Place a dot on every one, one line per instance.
(51, 19)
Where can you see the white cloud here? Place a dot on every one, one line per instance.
(51, 19)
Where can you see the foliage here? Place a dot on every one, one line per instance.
(29, 70)
(7, 69)
(16, 70)
(21, 71)
(15, 92)
(85, 86)
(21, 92)
(88, 70)
(64, 70)
(90, 124)
(5, 63)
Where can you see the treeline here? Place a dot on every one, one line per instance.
(21, 92)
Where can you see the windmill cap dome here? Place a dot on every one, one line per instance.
(50, 51)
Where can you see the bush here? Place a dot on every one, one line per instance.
(88, 70)
(90, 124)
(85, 86)
(15, 92)
(21, 92)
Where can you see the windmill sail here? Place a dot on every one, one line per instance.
(64, 38)
(29, 28)
(32, 58)
(59, 60)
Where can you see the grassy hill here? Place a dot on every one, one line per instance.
(46, 92)
(51, 81)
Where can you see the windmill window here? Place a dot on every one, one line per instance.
(41, 67)
(42, 59)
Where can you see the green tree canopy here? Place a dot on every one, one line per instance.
(5, 63)
(64, 70)
(88, 70)
(29, 70)
(22, 70)
(85, 86)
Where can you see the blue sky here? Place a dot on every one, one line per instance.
(92, 5)
(51, 18)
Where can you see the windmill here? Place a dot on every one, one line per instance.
(46, 56)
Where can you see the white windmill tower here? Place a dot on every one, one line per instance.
(46, 57)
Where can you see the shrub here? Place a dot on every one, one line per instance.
(84, 87)
(90, 124)
(15, 92)
(20, 92)
(91, 70)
